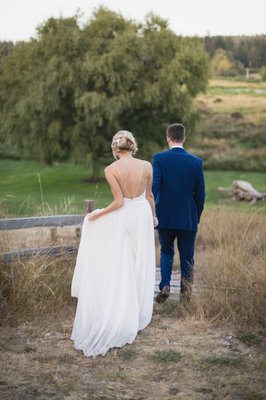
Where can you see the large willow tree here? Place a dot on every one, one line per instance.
(64, 94)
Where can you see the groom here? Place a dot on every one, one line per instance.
(179, 192)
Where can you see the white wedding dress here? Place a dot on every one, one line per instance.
(114, 278)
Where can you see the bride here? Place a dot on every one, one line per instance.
(114, 275)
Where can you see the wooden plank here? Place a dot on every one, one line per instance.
(174, 284)
(34, 222)
(52, 251)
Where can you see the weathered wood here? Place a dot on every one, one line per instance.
(243, 191)
(54, 251)
(175, 281)
(174, 284)
(89, 206)
(34, 222)
(223, 189)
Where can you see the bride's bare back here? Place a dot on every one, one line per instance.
(133, 175)
(128, 177)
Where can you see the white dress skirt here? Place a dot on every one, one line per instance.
(114, 278)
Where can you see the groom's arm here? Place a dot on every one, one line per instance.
(200, 191)
(157, 176)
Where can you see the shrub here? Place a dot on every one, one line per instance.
(263, 73)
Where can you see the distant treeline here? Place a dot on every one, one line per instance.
(248, 50)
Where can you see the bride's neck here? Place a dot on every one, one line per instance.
(125, 155)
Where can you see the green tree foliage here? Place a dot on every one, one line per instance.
(67, 92)
(6, 48)
(36, 91)
(263, 74)
(224, 64)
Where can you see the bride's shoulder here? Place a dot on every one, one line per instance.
(144, 163)
(110, 169)
(111, 166)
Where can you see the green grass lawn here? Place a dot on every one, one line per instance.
(64, 190)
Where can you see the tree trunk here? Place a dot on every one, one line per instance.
(95, 176)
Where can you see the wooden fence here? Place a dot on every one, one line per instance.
(46, 221)
(54, 221)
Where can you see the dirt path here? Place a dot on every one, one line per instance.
(171, 359)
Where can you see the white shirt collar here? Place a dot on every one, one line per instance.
(178, 146)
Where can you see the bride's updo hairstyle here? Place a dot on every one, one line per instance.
(123, 141)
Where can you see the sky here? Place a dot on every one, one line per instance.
(19, 18)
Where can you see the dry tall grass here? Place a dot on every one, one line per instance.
(35, 287)
(230, 274)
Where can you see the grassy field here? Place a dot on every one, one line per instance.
(231, 132)
(64, 190)
(236, 96)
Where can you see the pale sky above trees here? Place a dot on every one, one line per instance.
(19, 18)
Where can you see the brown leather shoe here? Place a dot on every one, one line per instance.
(163, 295)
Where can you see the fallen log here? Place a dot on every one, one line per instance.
(243, 191)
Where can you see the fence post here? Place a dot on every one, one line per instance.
(89, 206)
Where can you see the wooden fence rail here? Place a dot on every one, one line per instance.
(35, 222)
(50, 251)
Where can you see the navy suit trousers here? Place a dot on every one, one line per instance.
(185, 245)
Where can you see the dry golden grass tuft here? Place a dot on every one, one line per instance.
(31, 289)
(3, 210)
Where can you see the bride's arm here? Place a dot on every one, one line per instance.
(150, 197)
(117, 193)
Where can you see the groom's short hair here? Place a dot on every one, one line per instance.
(176, 132)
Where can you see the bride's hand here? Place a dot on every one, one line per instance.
(93, 215)
(155, 222)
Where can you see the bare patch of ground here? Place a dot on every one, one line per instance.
(171, 359)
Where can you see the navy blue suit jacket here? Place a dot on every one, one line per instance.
(178, 189)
